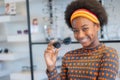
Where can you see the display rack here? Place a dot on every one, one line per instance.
(12, 56)
(10, 18)
(10, 40)
(45, 42)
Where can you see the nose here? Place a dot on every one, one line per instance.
(81, 34)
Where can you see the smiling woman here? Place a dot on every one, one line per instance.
(85, 31)
(94, 61)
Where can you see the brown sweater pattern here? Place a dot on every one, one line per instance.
(99, 63)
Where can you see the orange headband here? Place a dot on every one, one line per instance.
(84, 13)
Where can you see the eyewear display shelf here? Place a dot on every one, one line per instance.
(14, 50)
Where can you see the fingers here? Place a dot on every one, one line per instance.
(51, 43)
(50, 55)
(51, 50)
(50, 47)
(56, 52)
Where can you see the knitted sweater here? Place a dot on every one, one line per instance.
(99, 63)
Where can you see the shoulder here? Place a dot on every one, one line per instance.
(110, 52)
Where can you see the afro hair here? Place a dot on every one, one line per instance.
(92, 5)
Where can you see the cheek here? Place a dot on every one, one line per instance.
(75, 35)
(93, 34)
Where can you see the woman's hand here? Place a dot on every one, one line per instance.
(50, 56)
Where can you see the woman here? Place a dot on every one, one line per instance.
(94, 61)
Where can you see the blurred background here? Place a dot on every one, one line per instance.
(26, 29)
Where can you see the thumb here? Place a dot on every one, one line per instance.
(56, 52)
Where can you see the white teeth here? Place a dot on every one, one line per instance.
(84, 40)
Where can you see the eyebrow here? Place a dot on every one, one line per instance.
(81, 26)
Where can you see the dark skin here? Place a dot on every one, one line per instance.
(50, 56)
(85, 32)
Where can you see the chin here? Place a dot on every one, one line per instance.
(85, 44)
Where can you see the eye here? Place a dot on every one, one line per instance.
(75, 30)
(85, 29)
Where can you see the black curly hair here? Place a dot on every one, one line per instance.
(92, 5)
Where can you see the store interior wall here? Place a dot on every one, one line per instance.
(38, 9)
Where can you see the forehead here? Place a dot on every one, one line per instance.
(80, 21)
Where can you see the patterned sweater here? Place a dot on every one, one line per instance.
(100, 63)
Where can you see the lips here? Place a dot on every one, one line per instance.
(83, 40)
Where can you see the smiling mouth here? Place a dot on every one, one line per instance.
(84, 40)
